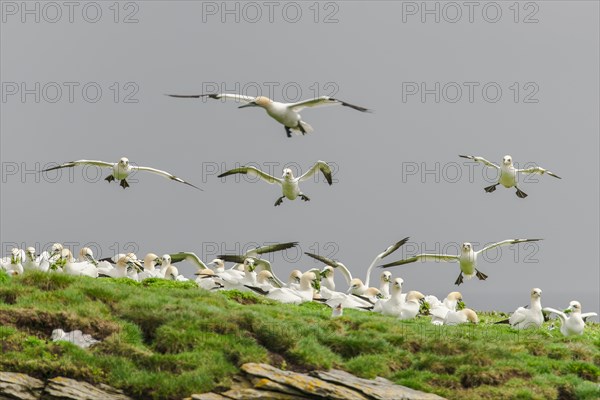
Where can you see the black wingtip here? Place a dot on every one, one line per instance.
(257, 290)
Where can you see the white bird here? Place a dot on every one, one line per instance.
(290, 185)
(439, 310)
(532, 317)
(362, 302)
(360, 287)
(294, 279)
(393, 305)
(461, 317)
(119, 270)
(286, 114)
(308, 282)
(574, 322)
(121, 170)
(36, 263)
(79, 268)
(208, 280)
(249, 275)
(509, 174)
(12, 265)
(188, 256)
(227, 275)
(87, 255)
(172, 273)
(412, 305)
(467, 258)
(150, 271)
(384, 284)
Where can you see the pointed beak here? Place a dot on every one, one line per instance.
(248, 105)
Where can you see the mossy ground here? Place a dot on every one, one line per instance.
(164, 339)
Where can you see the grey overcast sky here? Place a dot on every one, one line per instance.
(511, 80)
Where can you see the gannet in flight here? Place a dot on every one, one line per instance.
(467, 258)
(574, 322)
(508, 173)
(121, 170)
(284, 113)
(289, 184)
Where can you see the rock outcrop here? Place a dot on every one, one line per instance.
(258, 381)
(15, 386)
(268, 382)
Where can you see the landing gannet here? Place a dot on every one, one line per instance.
(467, 258)
(121, 170)
(284, 113)
(532, 317)
(289, 184)
(574, 322)
(508, 173)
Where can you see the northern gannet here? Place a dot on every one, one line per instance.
(304, 293)
(121, 170)
(290, 187)
(361, 302)
(286, 114)
(572, 323)
(467, 258)
(460, 317)
(208, 280)
(172, 273)
(120, 269)
(294, 279)
(532, 317)
(393, 305)
(87, 255)
(150, 271)
(412, 305)
(79, 268)
(439, 310)
(359, 285)
(508, 173)
(36, 263)
(13, 264)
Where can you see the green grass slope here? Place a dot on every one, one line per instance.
(164, 339)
